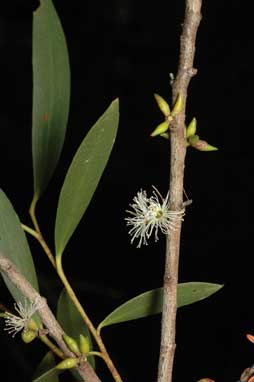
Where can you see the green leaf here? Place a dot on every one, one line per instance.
(84, 174)
(71, 321)
(13, 244)
(46, 371)
(51, 93)
(149, 303)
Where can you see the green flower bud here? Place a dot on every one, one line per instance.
(193, 140)
(203, 146)
(160, 129)
(67, 363)
(72, 344)
(165, 135)
(191, 129)
(178, 106)
(163, 105)
(28, 335)
(84, 344)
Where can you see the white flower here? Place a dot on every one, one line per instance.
(15, 324)
(151, 214)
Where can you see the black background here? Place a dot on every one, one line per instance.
(126, 49)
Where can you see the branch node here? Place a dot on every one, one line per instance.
(193, 72)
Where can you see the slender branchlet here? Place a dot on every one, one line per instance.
(54, 329)
(177, 158)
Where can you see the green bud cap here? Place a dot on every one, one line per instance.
(165, 135)
(160, 129)
(67, 363)
(72, 344)
(28, 335)
(192, 127)
(193, 140)
(204, 146)
(163, 105)
(178, 106)
(84, 344)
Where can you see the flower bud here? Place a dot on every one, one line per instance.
(163, 105)
(72, 344)
(203, 146)
(192, 127)
(178, 106)
(28, 335)
(193, 140)
(84, 344)
(67, 363)
(165, 135)
(160, 129)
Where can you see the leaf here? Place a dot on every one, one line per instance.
(84, 174)
(51, 93)
(188, 293)
(46, 371)
(71, 321)
(13, 244)
(149, 303)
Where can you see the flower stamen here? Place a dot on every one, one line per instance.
(13, 323)
(152, 214)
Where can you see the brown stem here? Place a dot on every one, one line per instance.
(177, 158)
(55, 331)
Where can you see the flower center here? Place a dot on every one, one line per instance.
(159, 214)
(155, 211)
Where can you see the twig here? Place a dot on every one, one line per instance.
(87, 321)
(58, 266)
(38, 236)
(177, 157)
(55, 331)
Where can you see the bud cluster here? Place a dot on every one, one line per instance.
(163, 129)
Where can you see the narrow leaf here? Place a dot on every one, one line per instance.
(84, 174)
(13, 244)
(46, 371)
(71, 321)
(51, 93)
(149, 303)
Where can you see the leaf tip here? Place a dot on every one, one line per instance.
(115, 102)
(219, 286)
